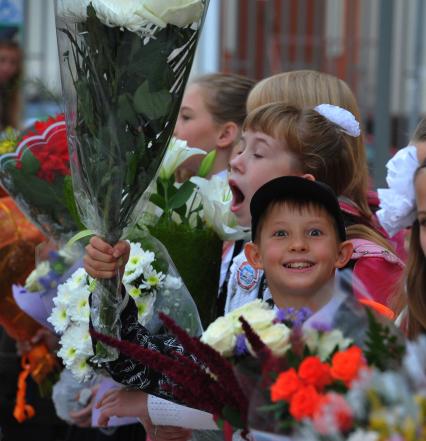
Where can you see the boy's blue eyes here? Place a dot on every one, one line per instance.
(314, 232)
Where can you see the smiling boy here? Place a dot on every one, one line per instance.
(299, 240)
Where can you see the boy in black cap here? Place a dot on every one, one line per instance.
(299, 240)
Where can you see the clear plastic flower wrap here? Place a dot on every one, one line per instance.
(124, 68)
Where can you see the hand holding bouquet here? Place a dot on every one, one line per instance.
(124, 69)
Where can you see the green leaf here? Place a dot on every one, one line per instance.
(125, 111)
(156, 199)
(69, 201)
(207, 164)
(30, 165)
(153, 105)
(233, 417)
(79, 236)
(182, 195)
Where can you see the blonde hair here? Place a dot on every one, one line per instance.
(10, 96)
(321, 148)
(307, 89)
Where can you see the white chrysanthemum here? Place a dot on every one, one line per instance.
(145, 306)
(81, 369)
(130, 275)
(64, 295)
(152, 279)
(78, 279)
(138, 261)
(171, 282)
(133, 291)
(75, 342)
(79, 309)
(59, 318)
(32, 283)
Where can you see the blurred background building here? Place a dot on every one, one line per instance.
(377, 46)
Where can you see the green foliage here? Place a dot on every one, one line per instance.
(384, 347)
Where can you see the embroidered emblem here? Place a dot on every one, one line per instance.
(247, 276)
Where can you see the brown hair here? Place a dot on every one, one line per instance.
(225, 96)
(307, 89)
(321, 147)
(414, 285)
(10, 97)
(419, 134)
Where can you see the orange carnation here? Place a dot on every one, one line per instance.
(345, 365)
(285, 386)
(314, 372)
(304, 403)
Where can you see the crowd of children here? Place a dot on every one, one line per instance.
(292, 148)
(303, 125)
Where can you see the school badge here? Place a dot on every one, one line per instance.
(247, 276)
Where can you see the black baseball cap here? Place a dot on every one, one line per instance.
(295, 188)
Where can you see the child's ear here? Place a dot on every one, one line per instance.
(228, 134)
(345, 253)
(251, 251)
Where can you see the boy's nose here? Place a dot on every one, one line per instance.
(298, 244)
(237, 163)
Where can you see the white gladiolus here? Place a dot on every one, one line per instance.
(134, 15)
(177, 153)
(216, 198)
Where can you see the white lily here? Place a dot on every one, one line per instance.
(216, 198)
(177, 153)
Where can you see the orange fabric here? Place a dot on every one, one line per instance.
(23, 411)
(378, 307)
(18, 239)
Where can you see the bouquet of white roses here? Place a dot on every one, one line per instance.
(124, 69)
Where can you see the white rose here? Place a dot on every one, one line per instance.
(32, 283)
(257, 319)
(220, 336)
(177, 153)
(216, 198)
(277, 338)
(180, 13)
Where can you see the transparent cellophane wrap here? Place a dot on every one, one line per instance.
(176, 301)
(122, 92)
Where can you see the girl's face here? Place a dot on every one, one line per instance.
(260, 159)
(196, 126)
(420, 186)
(9, 64)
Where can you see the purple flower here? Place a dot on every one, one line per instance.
(293, 317)
(49, 281)
(241, 346)
(321, 327)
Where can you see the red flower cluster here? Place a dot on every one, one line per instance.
(50, 149)
(304, 389)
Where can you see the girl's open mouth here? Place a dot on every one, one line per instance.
(237, 197)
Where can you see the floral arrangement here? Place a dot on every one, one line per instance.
(298, 386)
(37, 176)
(192, 219)
(124, 69)
(148, 280)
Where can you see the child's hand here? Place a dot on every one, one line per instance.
(102, 261)
(129, 403)
(83, 417)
